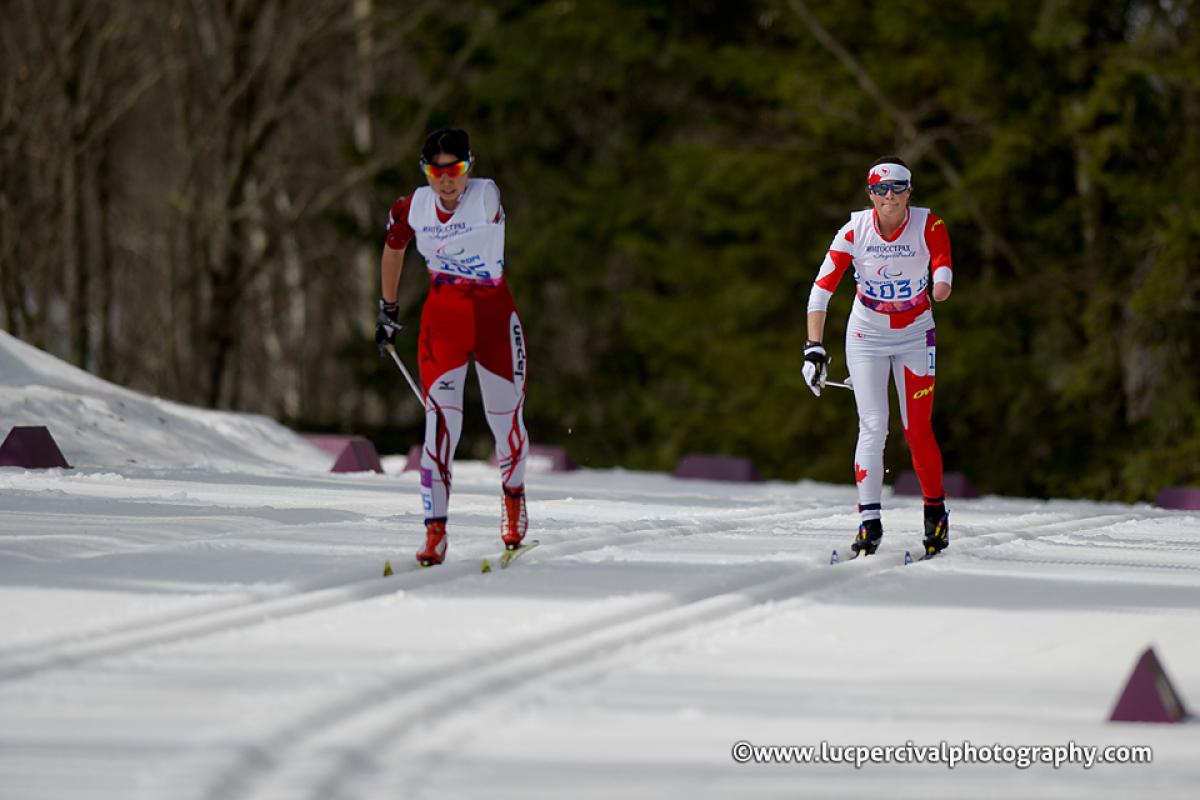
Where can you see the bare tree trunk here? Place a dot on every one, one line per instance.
(72, 258)
(254, 52)
(10, 280)
(1085, 187)
(71, 75)
(103, 250)
(365, 276)
(285, 340)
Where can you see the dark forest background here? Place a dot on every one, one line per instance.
(194, 193)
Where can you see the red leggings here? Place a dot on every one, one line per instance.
(460, 321)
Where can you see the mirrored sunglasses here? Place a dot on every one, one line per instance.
(895, 187)
(453, 170)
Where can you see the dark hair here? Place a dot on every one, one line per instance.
(891, 160)
(452, 141)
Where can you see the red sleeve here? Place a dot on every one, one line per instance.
(399, 234)
(938, 241)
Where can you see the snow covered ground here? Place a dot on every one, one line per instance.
(196, 611)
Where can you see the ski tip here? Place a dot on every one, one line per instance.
(907, 558)
(387, 569)
(833, 559)
(510, 556)
(486, 566)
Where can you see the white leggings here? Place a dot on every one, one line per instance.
(910, 358)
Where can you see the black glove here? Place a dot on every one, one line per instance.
(816, 364)
(387, 326)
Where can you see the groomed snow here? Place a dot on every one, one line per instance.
(196, 611)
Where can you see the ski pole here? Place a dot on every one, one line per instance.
(407, 377)
(847, 385)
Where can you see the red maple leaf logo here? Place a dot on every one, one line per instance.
(860, 474)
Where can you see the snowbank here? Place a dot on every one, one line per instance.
(100, 424)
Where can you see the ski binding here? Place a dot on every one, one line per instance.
(509, 556)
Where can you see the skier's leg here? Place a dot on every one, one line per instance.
(504, 404)
(443, 347)
(915, 371)
(915, 377)
(869, 374)
(443, 427)
(500, 360)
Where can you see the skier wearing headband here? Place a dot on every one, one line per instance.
(901, 258)
(458, 224)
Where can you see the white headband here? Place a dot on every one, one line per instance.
(888, 172)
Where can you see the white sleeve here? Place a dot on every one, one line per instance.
(818, 298)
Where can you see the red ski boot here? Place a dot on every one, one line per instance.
(434, 551)
(513, 521)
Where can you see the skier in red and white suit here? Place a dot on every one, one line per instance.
(895, 249)
(458, 224)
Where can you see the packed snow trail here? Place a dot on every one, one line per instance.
(196, 612)
(319, 678)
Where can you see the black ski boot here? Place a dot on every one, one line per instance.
(937, 529)
(870, 532)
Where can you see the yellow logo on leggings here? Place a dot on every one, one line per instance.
(917, 395)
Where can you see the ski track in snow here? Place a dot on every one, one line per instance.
(352, 741)
(237, 612)
(382, 726)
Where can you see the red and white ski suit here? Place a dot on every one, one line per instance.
(890, 329)
(468, 312)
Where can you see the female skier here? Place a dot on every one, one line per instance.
(893, 248)
(458, 224)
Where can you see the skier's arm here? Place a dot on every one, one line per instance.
(938, 242)
(816, 361)
(391, 264)
(387, 324)
(390, 267)
(816, 325)
(838, 258)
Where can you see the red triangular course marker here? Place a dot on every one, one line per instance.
(32, 447)
(353, 453)
(358, 456)
(1149, 695)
